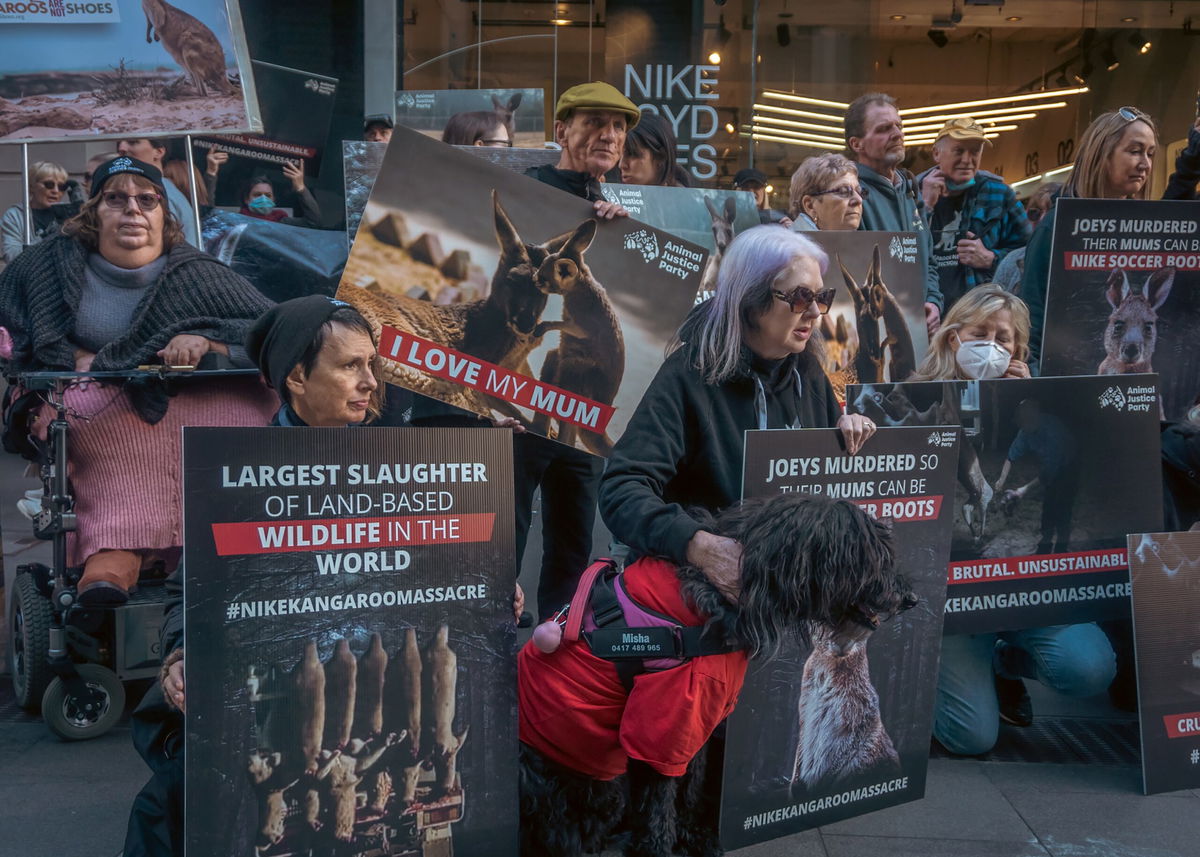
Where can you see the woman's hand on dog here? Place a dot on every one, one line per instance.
(720, 560)
(857, 429)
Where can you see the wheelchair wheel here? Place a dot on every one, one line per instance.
(74, 718)
(29, 643)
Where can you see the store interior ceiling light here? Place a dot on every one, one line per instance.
(1140, 42)
(1109, 56)
(714, 58)
(1042, 176)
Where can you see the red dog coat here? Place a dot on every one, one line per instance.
(575, 710)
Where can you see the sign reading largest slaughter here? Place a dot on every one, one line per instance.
(505, 297)
(349, 642)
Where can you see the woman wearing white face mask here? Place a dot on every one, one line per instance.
(981, 680)
(984, 336)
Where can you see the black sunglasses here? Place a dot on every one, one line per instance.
(802, 297)
(50, 184)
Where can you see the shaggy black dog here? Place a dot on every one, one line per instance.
(806, 559)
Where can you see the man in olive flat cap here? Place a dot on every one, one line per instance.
(590, 123)
(974, 217)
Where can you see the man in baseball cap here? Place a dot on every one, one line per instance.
(377, 128)
(755, 181)
(974, 217)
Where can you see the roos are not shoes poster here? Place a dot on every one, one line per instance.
(1053, 472)
(1165, 570)
(1124, 295)
(841, 727)
(349, 642)
(140, 70)
(499, 295)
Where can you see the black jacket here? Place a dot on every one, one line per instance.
(575, 183)
(683, 448)
(1181, 476)
(1182, 183)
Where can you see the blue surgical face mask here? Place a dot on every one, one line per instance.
(955, 186)
(261, 203)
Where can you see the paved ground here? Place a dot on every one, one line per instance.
(71, 800)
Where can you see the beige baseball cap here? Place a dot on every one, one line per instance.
(962, 128)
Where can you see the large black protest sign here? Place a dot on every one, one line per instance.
(505, 297)
(349, 641)
(1165, 571)
(785, 772)
(297, 109)
(1052, 474)
(875, 330)
(1124, 294)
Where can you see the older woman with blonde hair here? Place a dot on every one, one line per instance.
(826, 194)
(1115, 156)
(47, 189)
(985, 335)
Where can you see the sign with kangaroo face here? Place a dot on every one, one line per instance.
(1165, 571)
(876, 327)
(504, 297)
(841, 727)
(1052, 474)
(350, 641)
(161, 71)
(1124, 295)
(515, 115)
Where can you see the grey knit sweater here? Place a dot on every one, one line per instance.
(40, 294)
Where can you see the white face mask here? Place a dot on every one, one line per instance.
(983, 360)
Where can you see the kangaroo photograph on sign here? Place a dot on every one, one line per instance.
(159, 69)
(841, 727)
(504, 297)
(521, 112)
(1124, 295)
(1047, 470)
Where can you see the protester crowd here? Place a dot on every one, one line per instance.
(112, 279)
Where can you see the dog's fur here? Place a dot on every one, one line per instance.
(806, 559)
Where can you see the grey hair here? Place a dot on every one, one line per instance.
(750, 267)
(815, 175)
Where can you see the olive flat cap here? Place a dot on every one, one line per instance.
(596, 95)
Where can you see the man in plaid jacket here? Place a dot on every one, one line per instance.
(974, 217)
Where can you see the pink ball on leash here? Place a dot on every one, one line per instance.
(547, 637)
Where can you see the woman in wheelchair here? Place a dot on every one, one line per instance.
(118, 290)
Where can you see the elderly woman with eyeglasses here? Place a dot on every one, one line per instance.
(118, 290)
(47, 195)
(826, 194)
(747, 359)
(1114, 160)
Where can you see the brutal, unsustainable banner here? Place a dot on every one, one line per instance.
(297, 108)
(1124, 295)
(350, 641)
(520, 111)
(502, 296)
(1052, 473)
(162, 71)
(875, 331)
(786, 771)
(1165, 571)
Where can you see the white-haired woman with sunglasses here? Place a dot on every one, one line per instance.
(826, 194)
(121, 289)
(1115, 156)
(747, 359)
(47, 195)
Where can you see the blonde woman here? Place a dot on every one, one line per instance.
(826, 194)
(47, 188)
(985, 335)
(1116, 154)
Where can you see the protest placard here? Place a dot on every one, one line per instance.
(349, 642)
(520, 111)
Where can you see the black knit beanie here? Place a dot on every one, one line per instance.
(277, 341)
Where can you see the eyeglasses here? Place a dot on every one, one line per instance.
(1132, 114)
(497, 143)
(50, 184)
(844, 192)
(801, 298)
(120, 201)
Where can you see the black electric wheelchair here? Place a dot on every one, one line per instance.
(68, 661)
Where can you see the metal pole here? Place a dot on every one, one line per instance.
(25, 193)
(479, 44)
(191, 167)
(753, 72)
